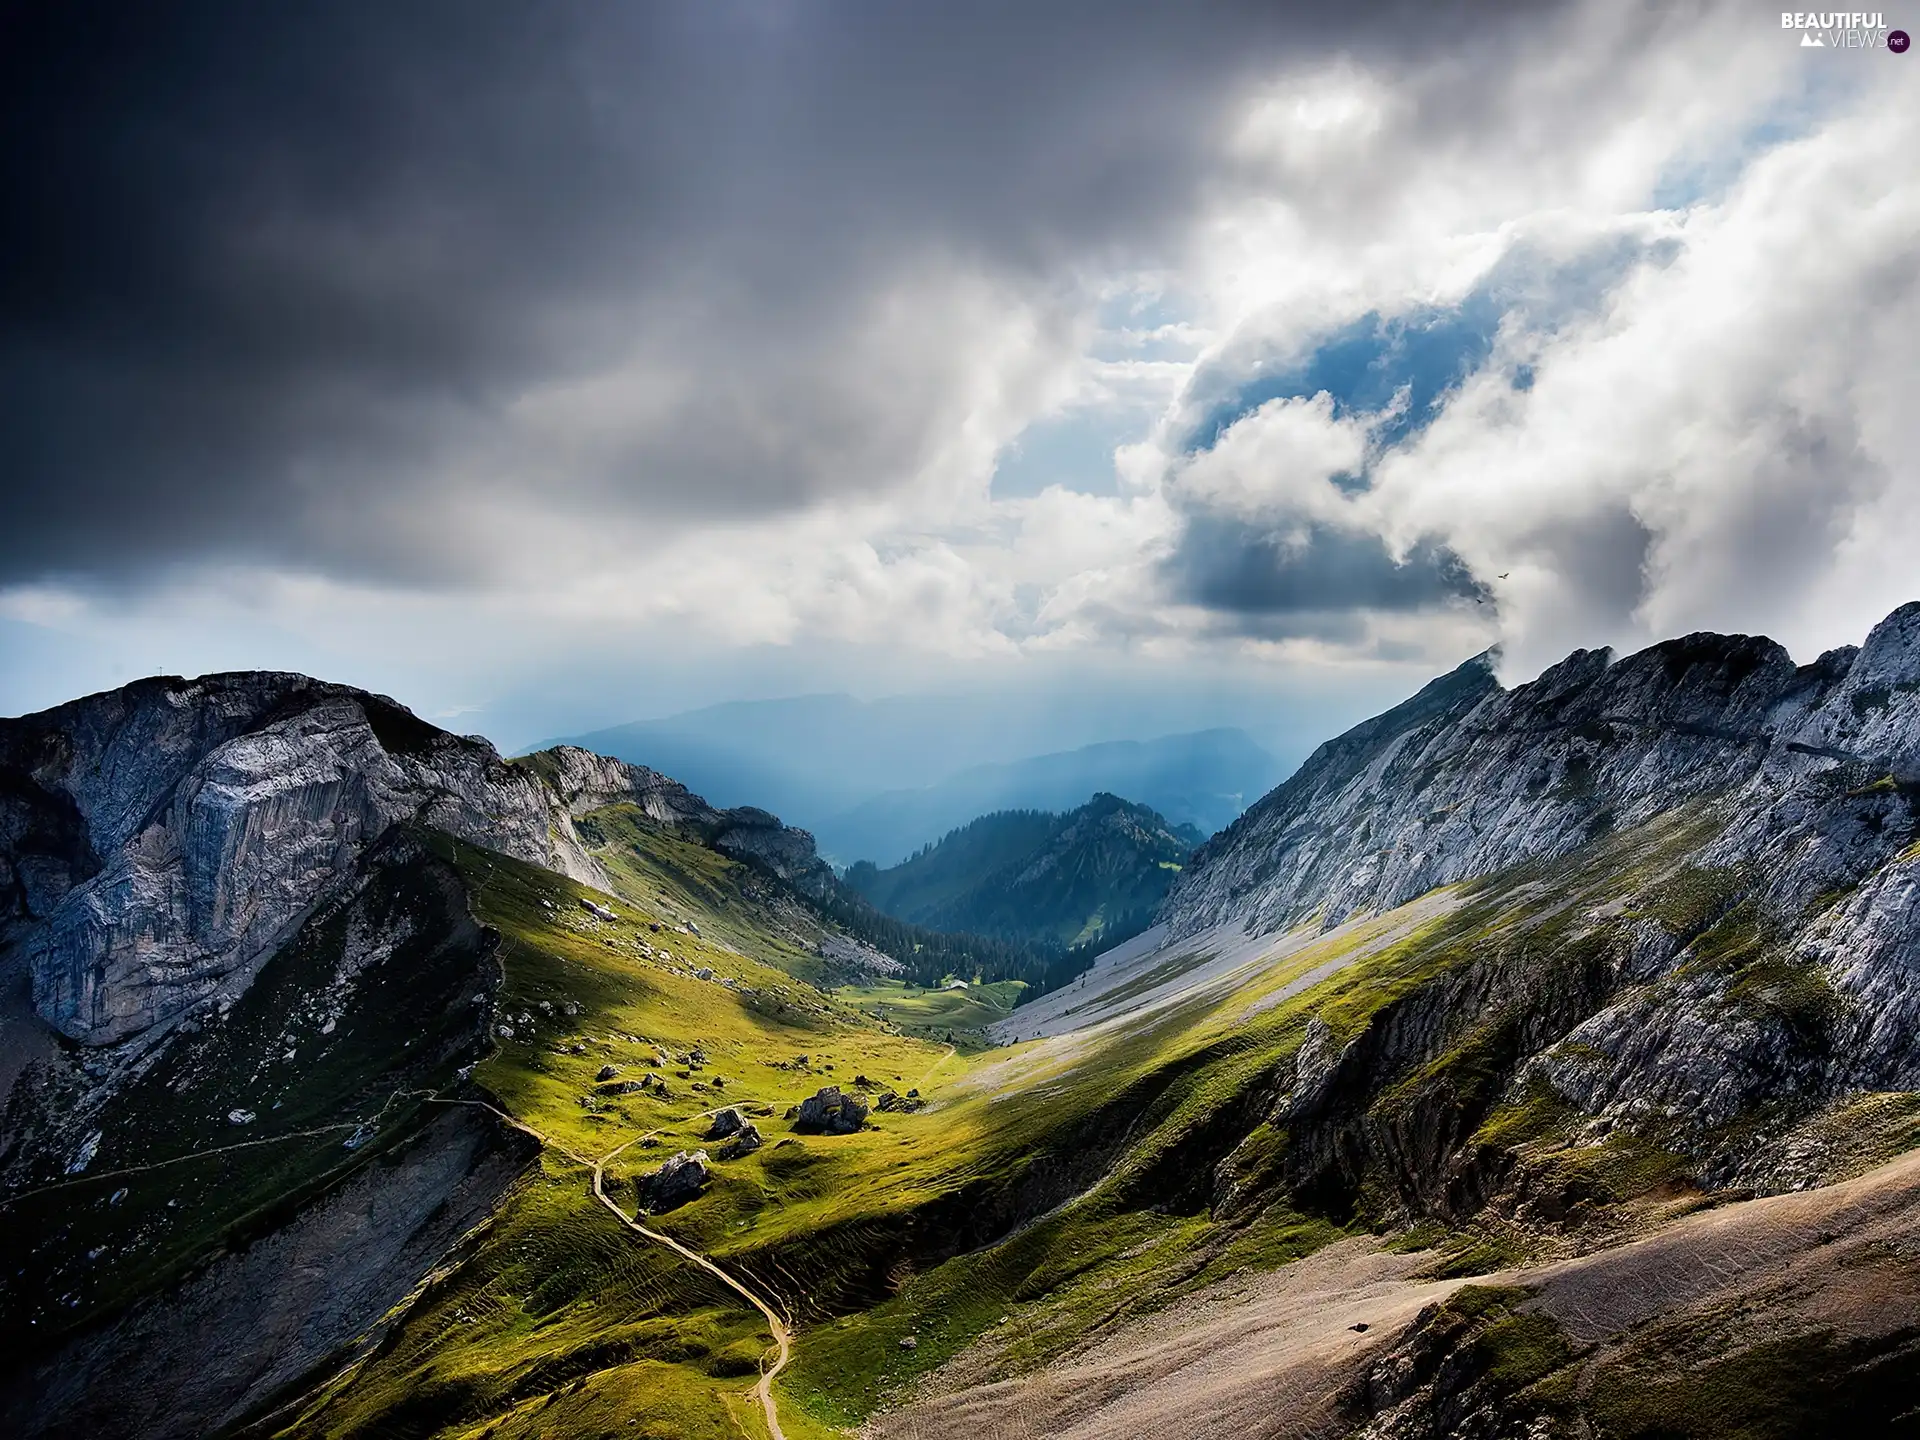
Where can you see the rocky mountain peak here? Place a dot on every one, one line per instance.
(158, 842)
(1468, 778)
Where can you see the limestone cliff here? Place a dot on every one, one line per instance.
(159, 842)
(1766, 967)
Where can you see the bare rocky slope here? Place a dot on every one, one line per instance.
(1467, 778)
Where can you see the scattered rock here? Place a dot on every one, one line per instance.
(745, 1141)
(909, 1342)
(607, 1072)
(241, 1117)
(830, 1112)
(726, 1123)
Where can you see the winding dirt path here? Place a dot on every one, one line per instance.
(782, 1336)
(782, 1333)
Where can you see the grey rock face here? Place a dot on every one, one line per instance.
(727, 1122)
(217, 812)
(159, 842)
(674, 1183)
(745, 1141)
(829, 1112)
(1467, 779)
(1806, 785)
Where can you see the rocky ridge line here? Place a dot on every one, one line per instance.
(159, 842)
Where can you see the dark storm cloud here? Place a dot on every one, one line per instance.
(273, 270)
(1269, 577)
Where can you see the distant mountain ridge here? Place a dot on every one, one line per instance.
(1204, 779)
(1094, 874)
(876, 780)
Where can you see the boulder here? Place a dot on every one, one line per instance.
(677, 1181)
(607, 1072)
(745, 1141)
(830, 1112)
(726, 1123)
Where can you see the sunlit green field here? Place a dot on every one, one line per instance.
(930, 1012)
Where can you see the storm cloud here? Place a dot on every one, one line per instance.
(932, 334)
(354, 287)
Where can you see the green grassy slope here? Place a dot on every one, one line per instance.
(958, 1016)
(899, 1231)
(1046, 1193)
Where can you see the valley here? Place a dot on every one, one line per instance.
(1527, 1048)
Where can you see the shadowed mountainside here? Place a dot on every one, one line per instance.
(1097, 872)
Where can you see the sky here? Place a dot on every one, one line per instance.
(553, 365)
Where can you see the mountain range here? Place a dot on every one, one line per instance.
(876, 780)
(1536, 1061)
(1201, 781)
